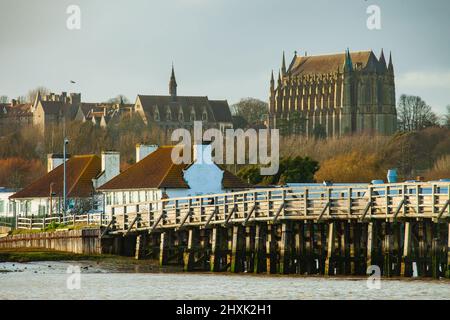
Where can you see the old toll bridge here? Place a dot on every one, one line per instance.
(336, 230)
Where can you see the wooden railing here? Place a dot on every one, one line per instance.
(385, 201)
(40, 223)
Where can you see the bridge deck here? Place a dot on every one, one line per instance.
(388, 202)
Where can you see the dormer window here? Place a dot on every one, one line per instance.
(180, 116)
(192, 117)
(204, 116)
(156, 115)
(168, 115)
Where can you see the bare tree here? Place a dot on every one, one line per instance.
(119, 99)
(31, 95)
(252, 110)
(414, 114)
(447, 118)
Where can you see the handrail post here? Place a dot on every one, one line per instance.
(418, 191)
(350, 202)
(433, 199)
(306, 202)
(371, 200)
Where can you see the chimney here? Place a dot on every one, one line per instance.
(110, 164)
(203, 153)
(13, 102)
(143, 150)
(55, 160)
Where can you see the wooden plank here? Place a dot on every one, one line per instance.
(329, 269)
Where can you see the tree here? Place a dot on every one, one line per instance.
(254, 111)
(31, 95)
(4, 99)
(414, 114)
(291, 170)
(119, 99)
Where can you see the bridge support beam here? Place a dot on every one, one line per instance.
(387, 250)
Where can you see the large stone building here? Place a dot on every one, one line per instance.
(172, 111)
(335, 94)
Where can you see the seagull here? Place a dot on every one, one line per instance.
(71, 81)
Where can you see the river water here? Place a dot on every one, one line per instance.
(60, 280)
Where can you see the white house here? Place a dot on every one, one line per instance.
(154, 173)
(83, 173)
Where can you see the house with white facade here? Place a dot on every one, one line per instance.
(154, 175)
(6, 205)
(83, 174)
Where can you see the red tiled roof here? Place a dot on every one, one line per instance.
(80, 172)
(304, 65)
(157, 171)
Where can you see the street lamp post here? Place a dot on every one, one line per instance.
(66, 142)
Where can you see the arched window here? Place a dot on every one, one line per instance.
(168, 115)
(156, 115)
(192, 116)
(180, 116)
(204, 116)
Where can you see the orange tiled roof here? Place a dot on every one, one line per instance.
(80, 172)
(157, 171)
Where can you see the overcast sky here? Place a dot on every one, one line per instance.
(224, 49)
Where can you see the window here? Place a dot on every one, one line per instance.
(2, 206)
(180, 116)
(41, 209)
(124, 198)
(156, 115)
(168, 115)
(108, 199)
(204, 116)
(192, 118)
(115, 198)
(131, 196)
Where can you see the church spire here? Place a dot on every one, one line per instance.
(283, 66)
(382, 59)
(390, 66)
(348, 66)
(173, 85)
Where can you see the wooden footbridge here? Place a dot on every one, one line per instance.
(304, 230)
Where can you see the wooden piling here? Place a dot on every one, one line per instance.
(259, 261)
(285, 254)
(237, 250)
(447, 273)
(215, 256)
(299, 247)
(190, 252)
(249, 260)
(329, 267)
(271, 247)
(164, 248)
(406, 264)
(371, 238)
